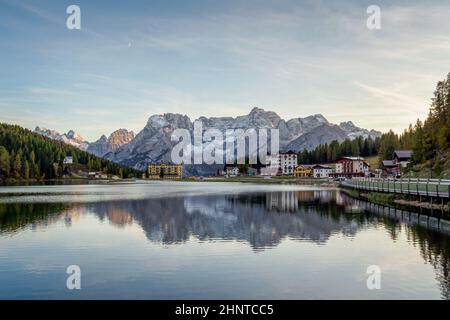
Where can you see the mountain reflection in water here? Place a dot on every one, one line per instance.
(262, 220)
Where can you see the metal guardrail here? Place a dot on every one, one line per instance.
(420, 187)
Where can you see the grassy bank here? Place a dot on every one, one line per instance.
(381, 198)
(391, 199)
(437, 168)
(374, 197)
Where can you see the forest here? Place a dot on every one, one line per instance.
(327, 153)
(25, 155)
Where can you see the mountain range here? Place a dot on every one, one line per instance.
(99, 148)
(153, 143)
(71, 137)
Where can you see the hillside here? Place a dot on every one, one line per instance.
(437, 168)
(26, 155)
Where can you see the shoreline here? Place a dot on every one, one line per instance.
(71, 181)
(273, 180)
(240, 179)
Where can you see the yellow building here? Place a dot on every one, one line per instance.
(165, 171)
(303, 171)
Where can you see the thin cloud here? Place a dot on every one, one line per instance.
(402, 101)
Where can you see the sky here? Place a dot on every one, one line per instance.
(132, 59)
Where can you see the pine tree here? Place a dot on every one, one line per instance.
(4, 163)
(36, 171)
(417, 143)
(389, 142)
(26, 170)
(17, 166)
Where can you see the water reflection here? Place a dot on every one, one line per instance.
(262, 220)
(14, 217)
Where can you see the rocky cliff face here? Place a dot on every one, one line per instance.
(317, 136)
(106, 145)
(153, 143)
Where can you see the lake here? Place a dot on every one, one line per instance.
(208, 240)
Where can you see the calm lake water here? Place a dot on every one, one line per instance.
(169, 240)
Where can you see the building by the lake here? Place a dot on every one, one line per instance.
(231, 171)
(400, 159)
(282, 163)
(321, 171)
(349, 167)
(68, 160)
(390, 168)
(303, 171)
(165, 171)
